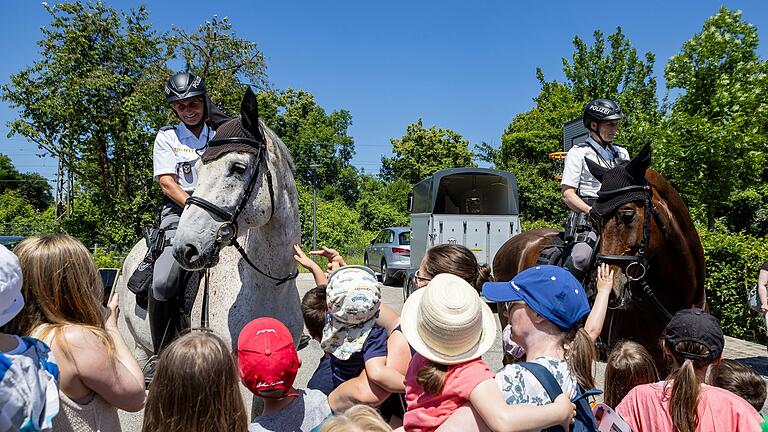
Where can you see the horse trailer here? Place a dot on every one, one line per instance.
(474, 207)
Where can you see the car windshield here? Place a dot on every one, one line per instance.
(405, 238)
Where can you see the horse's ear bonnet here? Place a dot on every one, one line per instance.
(241, 134)
(597, 171)
(621, 176)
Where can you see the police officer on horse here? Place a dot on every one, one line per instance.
(176, 160)
(601, 118)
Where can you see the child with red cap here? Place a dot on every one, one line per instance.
(268, 364)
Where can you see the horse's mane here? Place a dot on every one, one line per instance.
(674, 201)
(280, 147)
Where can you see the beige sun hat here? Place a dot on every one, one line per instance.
(447, 322)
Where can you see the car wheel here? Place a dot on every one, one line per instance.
(386, 279)
(407, 287)
(365, 260)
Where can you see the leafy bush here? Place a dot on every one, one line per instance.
(733, 261)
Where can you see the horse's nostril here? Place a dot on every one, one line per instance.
(191, 253)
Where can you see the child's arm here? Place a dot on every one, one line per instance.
(489, 402)
(310, 265)
(385, 377)
(596, 318)
(358, 390)
(388, 318)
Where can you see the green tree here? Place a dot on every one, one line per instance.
(594, 71)
(314, 137)
(716, 136)
(525, 145)
(226, 61)
(422, 151)
(94, 100)
(382, 204)
(616, 72)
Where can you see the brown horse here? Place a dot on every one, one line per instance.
(649, 240)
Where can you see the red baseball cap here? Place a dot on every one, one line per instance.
(266, 357)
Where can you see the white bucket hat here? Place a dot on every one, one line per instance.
(447, 322)
(353, 295)
(11, 300)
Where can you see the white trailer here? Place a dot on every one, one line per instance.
(474, 207)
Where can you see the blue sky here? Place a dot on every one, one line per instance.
(467, 66)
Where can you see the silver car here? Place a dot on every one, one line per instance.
(389, 253)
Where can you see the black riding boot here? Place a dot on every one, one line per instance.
(163, 322)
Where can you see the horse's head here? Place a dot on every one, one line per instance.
(624, 212)
(234, 193)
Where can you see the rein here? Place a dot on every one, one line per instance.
(640, 260)
(226, 233)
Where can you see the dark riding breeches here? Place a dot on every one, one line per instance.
(166, 302)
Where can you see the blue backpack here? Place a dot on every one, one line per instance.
(584, 420)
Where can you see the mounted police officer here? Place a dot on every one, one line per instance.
(176, 160)
(601, 118)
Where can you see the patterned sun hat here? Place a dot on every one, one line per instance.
(353, 295)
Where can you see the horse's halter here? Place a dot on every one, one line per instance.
(226, 233)
(639, 261)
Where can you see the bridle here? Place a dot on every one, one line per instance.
(640, 260)
(226, 233)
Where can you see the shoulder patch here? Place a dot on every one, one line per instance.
(167, 128)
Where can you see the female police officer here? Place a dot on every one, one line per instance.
(601, 118)
(176, 158)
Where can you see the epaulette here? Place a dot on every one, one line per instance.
(580, 144)
(167, 128)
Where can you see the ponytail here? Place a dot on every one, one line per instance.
(431, 377)
(580, 355)
(684, 400)
(483, 276)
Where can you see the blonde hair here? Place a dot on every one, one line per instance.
(195, 388)
(359, 418)
(580, 355)
(629, 364)
(684, 400)
(61, 287)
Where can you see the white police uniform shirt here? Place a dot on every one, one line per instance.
(176, 152)
(576, 173)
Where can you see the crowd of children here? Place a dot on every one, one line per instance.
(418, 371)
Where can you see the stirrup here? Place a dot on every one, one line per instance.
(149, 370)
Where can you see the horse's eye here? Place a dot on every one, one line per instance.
(238, 168)
(626, 216)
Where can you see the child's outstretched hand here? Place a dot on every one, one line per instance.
(604, 278)
(332, 255)
(303, 259)
(566, 410)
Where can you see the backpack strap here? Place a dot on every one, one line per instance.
(545, 377)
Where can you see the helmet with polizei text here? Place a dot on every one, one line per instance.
(600, 110)
(184, 85)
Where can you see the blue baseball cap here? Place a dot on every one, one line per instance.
(550, 291)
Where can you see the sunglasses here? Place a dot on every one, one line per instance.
(418, 278)
(508, 305)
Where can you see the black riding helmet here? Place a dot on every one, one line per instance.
(185, 85)
(600, 110)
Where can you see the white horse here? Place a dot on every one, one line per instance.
(252, 178)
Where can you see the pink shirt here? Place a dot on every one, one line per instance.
(427, 412)
(646, 408)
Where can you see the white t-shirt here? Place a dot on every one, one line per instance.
(519, 386)
(176, 152)
(576, 173)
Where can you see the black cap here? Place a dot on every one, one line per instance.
(696, 325)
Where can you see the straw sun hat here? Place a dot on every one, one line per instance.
(447, 322)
